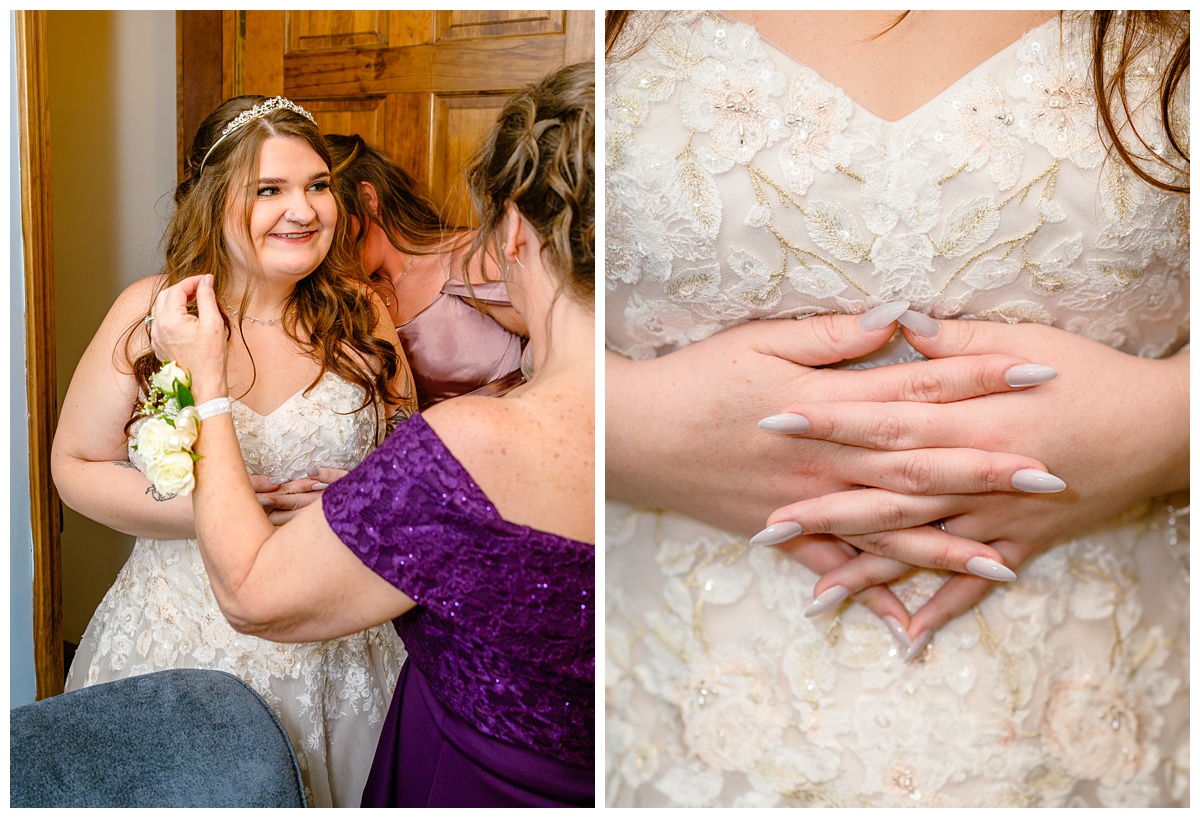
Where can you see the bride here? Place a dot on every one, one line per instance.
(313, 363)
(921, 167)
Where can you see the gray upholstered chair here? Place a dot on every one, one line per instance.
(178, 738)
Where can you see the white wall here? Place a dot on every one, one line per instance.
(22, 684)
(112, 145)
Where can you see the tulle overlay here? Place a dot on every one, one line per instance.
(332, 697)
(742, 185)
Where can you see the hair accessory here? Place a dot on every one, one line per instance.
(260, 110)
(216, 406)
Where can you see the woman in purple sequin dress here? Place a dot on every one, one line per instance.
(471, 526)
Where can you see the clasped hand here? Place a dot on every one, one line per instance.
(887, 451)
(1090, 423)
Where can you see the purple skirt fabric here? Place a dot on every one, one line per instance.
(430, 757)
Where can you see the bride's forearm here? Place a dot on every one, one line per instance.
(1168, 411)
(621, 444)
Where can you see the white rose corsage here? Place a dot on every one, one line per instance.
(168, 433)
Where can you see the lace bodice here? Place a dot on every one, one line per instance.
(741, 184)
(160, 613)
(323, 427)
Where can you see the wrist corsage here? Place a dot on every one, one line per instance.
(169, 431)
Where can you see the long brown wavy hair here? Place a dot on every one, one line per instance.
(540, 156)
(330, 313)
(1125, 34)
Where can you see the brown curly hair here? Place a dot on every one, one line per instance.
(330, 313)
(409, 218)
(540, 156)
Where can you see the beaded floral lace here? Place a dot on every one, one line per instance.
(742, 185)
(332, 697)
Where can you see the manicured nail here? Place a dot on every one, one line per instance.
(898, 633)
(922, 325)
(918, 646)
(320, 486)
(266, 502)
(277, 481)
(313, 471)
(1037, 482)
(879, 317)
(785, 424)
(989, 569)
(775, 534)
(830, 597)
(1029, 374)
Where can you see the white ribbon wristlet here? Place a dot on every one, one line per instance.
(216, 406)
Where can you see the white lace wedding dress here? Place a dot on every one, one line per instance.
(741, 185)
(332, 697)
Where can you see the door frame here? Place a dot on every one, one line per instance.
(37, 231)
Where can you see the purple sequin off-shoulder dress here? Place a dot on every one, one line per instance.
(496, 703)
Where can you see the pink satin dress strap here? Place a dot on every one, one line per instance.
(454, 349)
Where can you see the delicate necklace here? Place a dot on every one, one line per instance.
(253, 319)
(387, 299)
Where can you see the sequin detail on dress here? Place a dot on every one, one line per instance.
(504, 627)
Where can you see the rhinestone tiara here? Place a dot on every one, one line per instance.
(260, 110)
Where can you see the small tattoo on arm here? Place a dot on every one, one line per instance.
(157, 495)
(401, 414)
(125, 464)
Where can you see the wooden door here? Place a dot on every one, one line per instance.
(423, 86)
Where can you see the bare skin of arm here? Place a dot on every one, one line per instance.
(89, 458)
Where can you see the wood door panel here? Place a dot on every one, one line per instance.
(459, 122)
(459, 25)
(325, 30)
(411, 28)
(501, 65)
(365, 116)
(422, 86)
(409, 137)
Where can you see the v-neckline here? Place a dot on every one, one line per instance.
(285, 402)
(859, 108)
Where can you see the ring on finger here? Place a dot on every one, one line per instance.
(939, 524)
(148, 320)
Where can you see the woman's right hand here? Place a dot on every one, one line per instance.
(195, 342)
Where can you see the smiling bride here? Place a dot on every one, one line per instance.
(316, 375)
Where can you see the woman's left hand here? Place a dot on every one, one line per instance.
(283, 499)
(1113, 426)
(195, 342)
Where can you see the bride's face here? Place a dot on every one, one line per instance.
(293, 215)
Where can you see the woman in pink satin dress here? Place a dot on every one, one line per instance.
(457, 326)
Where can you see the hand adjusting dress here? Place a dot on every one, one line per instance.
(496, 703)
(332, 697)
(742, 185)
